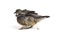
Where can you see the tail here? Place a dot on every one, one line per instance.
(43, 17)
(40, 17)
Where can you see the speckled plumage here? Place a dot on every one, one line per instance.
(28, 18)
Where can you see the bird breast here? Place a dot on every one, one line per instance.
(26, 21)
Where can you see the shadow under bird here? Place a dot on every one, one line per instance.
(28, 18)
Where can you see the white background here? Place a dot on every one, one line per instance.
(49, 26)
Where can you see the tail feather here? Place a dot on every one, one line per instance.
(43, 17)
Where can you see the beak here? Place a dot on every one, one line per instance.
(14, 12)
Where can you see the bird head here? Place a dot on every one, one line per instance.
(20, 12)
